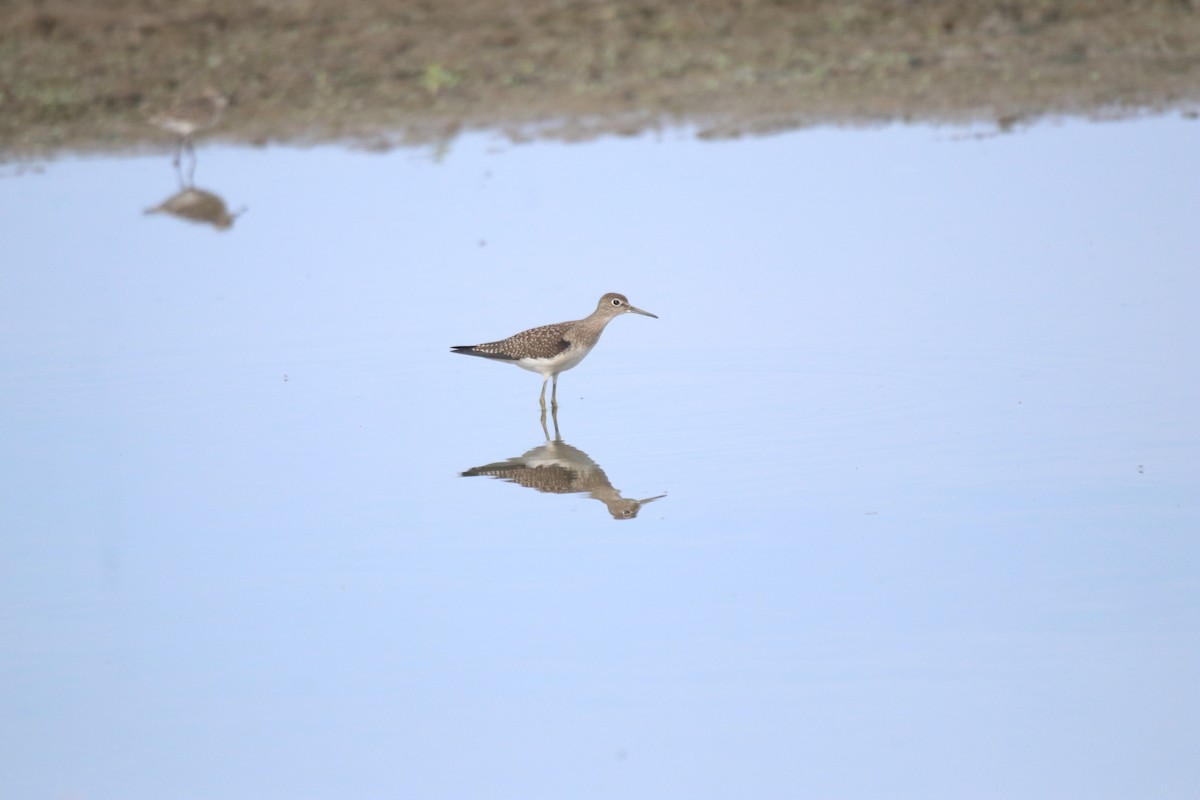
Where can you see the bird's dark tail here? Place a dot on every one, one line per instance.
(472, 350)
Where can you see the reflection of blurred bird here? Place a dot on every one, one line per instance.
(558, 468)
(192, 116)
(197, 205)
(552, 349)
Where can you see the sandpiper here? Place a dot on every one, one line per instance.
(551, 349)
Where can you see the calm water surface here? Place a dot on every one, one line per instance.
(923, 407)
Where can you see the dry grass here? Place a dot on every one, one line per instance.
(85, 76)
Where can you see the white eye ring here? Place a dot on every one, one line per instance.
(616, 302)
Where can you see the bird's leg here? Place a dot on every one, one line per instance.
(541, 401)
(553, 394)
(191, 151)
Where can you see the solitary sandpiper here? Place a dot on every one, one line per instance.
(552, 349)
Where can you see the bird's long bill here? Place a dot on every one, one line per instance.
(637, 310)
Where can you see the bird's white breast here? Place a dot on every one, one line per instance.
(559, 363)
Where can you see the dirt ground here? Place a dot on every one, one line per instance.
(87, 76)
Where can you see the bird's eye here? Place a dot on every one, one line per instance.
(616, 302)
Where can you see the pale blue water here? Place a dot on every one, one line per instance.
(924, 408)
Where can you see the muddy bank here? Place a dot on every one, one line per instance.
(86, 77)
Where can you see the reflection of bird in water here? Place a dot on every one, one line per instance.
(552, 349)
(197, 205)
(558, 468)
(190, 117)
